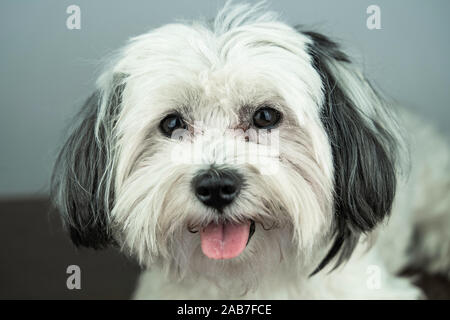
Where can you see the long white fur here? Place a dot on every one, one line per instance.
(212, 71)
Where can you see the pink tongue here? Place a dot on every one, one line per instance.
(224, 241)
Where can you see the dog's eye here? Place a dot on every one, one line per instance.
(171, 123)
(266, 118)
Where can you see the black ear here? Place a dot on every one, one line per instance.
(81, 188)
(363, 140)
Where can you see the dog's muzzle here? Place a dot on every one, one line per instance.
(217, 189)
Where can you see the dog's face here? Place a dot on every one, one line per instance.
(225, 150)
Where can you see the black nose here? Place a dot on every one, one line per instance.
(217, 188)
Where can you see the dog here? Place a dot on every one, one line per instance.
(244, 158)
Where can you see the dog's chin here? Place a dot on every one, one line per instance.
(226, 239)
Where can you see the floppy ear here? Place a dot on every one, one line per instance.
(364, 140)
(82, 181)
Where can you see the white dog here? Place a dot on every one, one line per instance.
(244, 158)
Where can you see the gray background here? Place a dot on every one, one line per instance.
(47, 71)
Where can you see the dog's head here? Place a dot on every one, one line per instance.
(224, 148)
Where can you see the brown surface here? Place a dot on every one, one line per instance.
(35, 253)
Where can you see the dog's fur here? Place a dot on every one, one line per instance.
(322, 226)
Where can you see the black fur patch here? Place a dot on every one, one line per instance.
(77, 190)
(364, 164)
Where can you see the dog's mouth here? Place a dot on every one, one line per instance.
(226, 240)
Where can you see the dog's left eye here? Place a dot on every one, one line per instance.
(266, 118)
(171, 123)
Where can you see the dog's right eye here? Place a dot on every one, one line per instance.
(171, 123)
